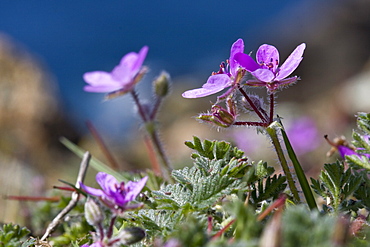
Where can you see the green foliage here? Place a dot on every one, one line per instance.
(11, 236)
(363, 122)
(213, 149)
(361, 142)
(336, 184)
(220, 173)
(271, 187)
(348, 189)
(302, 227)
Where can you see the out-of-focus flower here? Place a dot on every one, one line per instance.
(267, 71)
(123, 77)
(343, 147)
(344, 151)
(229, 75)
(114, 194)
(303, 135)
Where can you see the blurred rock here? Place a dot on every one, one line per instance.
(31, 122)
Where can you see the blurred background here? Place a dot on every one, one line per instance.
(46, 46)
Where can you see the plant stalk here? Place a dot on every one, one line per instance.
(152, 132)
(271, 130)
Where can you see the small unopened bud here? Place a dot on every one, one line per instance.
(161, 84)
(219, 116)
(256, 100)
(131, 235)
(223, 115)
(93, 212)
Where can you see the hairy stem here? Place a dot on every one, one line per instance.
(152, 131)
(157, 103)
(284, 164)
(272, 105)
(111, 225)
(140, 108)
(250, 123)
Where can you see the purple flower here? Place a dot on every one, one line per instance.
(229, 75)
(344, 148)
(114, 194)
(344, 151)
(267, 71)
(303, 135)
(123, 77)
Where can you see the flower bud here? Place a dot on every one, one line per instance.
(219, 116)
(131, 235)
(161, 84)
(256, 100)
(93, 213)
(223, 115)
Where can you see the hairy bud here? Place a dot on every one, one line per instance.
(93, 213)
(131, 235)
(161, 84)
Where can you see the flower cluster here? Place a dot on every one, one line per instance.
(265, 70)
(241, 70)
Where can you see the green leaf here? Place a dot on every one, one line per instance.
(299, 171)
(337, 184)
(95, 163)
(363, 122)
(267, 188)
(214, 149)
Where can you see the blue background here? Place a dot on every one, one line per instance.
(185, 37)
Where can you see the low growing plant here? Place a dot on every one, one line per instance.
(223, 198)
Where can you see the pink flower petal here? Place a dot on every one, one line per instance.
(264, 75)
(92, 191)
(246, 62)
(100, 82)
(237, 47)
(106, 181)
(134, 188)
(141, 57)
(292, 62)
(268, 55)
(214, 84)
(130, 65)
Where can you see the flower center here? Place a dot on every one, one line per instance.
(272, 65)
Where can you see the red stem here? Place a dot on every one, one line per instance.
(272, 105)
(262, 124)
(33, 198)
(220, 232)
(258, 112)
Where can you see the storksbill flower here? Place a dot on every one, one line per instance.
(123, 77)
(229, 75)
(266, 70)
(116, 195)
